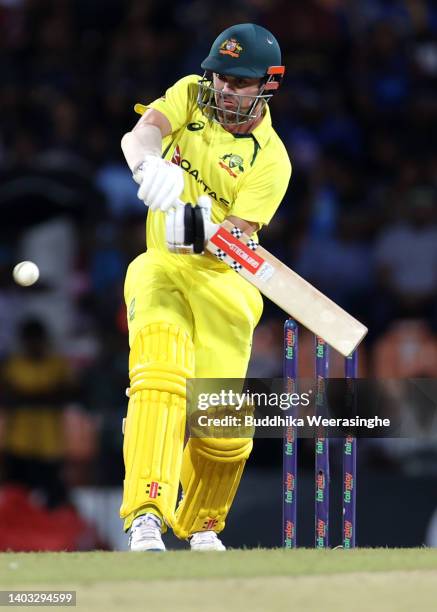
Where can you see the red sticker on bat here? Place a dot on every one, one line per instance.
(236, 249)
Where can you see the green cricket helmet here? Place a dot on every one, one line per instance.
(245, 50)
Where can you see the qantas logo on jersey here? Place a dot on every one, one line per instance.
(186, 165)
(176, 159)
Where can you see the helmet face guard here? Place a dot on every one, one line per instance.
(209, 99)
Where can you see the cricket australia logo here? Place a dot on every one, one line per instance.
(233, 164)
(231, 47)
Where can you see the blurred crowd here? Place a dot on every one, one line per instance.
(358, 114)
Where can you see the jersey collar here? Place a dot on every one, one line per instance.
(263, 131)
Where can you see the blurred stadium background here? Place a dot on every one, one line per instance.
(358, 114)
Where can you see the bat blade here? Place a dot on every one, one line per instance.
(297, 297)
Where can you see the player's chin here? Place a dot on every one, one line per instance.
(228, 109)
(228, 115)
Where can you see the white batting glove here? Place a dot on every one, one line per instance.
(161, 182)
(175, 231)
(204, 203)
(188, 233)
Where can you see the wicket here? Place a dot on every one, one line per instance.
(322, 474)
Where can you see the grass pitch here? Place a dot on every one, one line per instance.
(386, 580)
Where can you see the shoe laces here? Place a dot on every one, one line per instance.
(205, 536)
(147, 526)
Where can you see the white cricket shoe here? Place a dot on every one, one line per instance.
(145, 534)
(206, 541)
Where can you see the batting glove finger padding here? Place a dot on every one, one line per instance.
(161, 183)
(188, 228)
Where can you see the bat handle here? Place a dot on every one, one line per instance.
(204, 202)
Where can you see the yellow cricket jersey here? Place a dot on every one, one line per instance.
(245, 175)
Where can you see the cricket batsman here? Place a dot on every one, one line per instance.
(189, 314)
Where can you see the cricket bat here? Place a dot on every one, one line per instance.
(286, 289)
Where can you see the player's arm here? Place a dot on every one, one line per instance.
(145, 138)
(160, 181)
(248, 227)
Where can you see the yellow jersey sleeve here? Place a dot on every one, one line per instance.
(178, 102)
(262, 191)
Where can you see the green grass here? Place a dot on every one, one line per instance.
(86, 568)
(364, 579)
